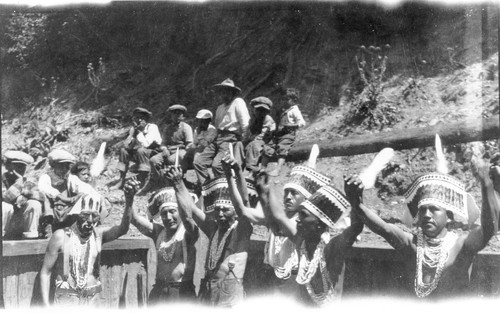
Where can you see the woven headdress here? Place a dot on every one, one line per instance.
(442, 190)
(306, 179)
(253, 196)
(328, 204)
(163, 198)
(215, 193)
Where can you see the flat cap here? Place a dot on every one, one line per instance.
(178, 107)
(262, 102)
(204, 114)
(61, 156)
(18, 157)
(140, 110)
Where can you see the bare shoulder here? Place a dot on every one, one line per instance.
(56, 240)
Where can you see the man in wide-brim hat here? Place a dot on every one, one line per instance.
(231, 120)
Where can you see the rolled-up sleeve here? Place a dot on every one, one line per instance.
(152, 136)
(45, 186)
(242, 115)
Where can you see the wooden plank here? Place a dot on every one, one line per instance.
(459, 132)
(39, 246)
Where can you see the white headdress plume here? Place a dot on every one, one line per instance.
(98, 164)
(369, 174)
(311, 162)
(441, 163)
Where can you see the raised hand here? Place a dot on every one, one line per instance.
(130, 187)
(174, 175)
(261, 181)
(229, 163)
(353, 187)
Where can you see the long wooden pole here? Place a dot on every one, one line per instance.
(459, 132)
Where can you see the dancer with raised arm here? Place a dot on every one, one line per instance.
(74, 252)
(174, 240)
(321, 246)
(442, 256)
(229, 236)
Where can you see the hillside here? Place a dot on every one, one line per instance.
(441, 67)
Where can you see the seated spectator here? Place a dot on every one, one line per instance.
(143, 141)
(231, 121)
(55, 187)
(204, 137)
(22, 203)
(259, 132)
(290, 119)
(176, 135)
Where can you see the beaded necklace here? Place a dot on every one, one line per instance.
(167, 248)
(79, 266)
(285, 271)
(432, 253)
(215, 250)
(307, 270)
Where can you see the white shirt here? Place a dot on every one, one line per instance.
(233, 117)
(149, 135)
(292, 117)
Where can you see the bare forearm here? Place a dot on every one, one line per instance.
(393, 235)
(189, 212)
(45, 286)
(490, 211)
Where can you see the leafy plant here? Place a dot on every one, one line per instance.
(368, 107)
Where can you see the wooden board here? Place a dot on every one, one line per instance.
(460, 132)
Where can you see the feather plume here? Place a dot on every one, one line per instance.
(98, 164)
(369, 174)
(441, 163)
(311, 162)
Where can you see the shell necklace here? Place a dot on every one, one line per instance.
(432, 253)
(283, 272)
(307, 269)
(167, 248)
(215, 250)
(79, 266)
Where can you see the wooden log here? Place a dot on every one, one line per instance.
(459, 132)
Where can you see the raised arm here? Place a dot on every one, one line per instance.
(190, 214)
(140, 222)
(395, 236)
(273, 208)
(54, 246)
(479, 236)
(255, 216)
(130, 188)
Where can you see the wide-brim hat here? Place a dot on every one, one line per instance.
(328, 204)
(177, 107)
(204, 114)
(18, 157)
(306, 180)
(143, 111)
(227, 83)
(443, 191)
(262, 102)
(163, 198)
(61, 156)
